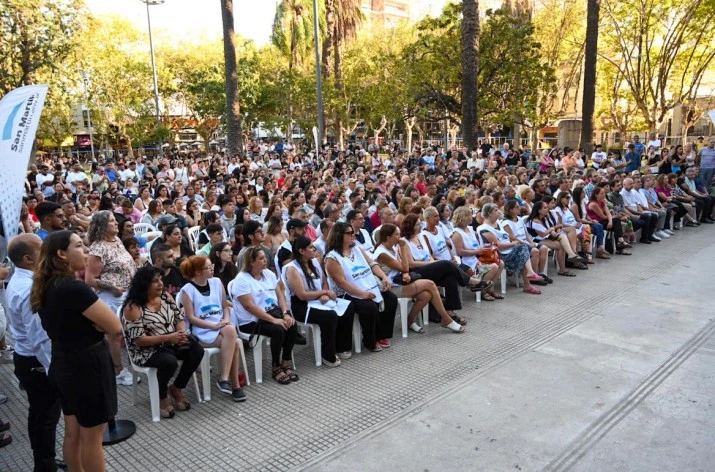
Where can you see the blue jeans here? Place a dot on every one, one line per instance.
(707, 176)
(597, 230)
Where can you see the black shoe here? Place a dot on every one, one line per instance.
(224, 386)
(549, 280)
(645, 241)
(238, 395)
(707, 221)
(61, 464)
(300, 339)
(653, 239)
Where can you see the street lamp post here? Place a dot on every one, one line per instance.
(318, 81)
(85, 76)
(153, 64)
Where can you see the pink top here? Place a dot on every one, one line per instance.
(544, 168)
(664, 190)
(592, 214)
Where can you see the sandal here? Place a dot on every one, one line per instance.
(580, 266)
(4, 425)
(602, 255)
(417, 328)
(481, 286)
(168, 413)
(533, 291)
(5, 439)
(181, 405)
(487, 297)
(549, 280)
(280, 376)
(459, 319)
(567, 274)
(623, 252)
(454, 327)
(495, 295)
(377, 348)
(292, 374)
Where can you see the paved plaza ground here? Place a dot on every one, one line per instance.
(610, 371)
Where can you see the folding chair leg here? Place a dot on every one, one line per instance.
(402, 302)
(243, 361)
(357, 334)
(317, 348)
(153, 382)
(196, 387)
(206, 376)
(503, 282)
(258, 360)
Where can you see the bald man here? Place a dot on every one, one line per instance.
(32, 353)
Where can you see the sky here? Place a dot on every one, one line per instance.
(194, 19)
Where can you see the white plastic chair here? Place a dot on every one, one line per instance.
(403, 305)
(153, 381)
(357, 334)
(141, 228)
(194, 236)
(206, 368)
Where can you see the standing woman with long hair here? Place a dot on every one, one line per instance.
(76, 321)
(110, 269)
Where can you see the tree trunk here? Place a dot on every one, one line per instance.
(329, 38)
(234, 136)
(589, 75)
(338, 70)
(470, 71)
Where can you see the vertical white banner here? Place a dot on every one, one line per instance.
(19, 117)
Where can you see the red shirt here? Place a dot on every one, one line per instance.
(421, 187)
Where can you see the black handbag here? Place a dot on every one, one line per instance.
(399, 280)
(275, 313)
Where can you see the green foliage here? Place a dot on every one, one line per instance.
(36, 35)
(512, 72)
(661, 49)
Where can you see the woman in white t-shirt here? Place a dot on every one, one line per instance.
(515, 253)
(467, 247)
(391, 255)
(443, 273)
(208, 312)
(260, 308)
(354, 276)
(306, 283)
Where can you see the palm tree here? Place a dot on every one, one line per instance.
(234, 136)
(293, 36)
(342, 18)
(470, 72)
(589, 75)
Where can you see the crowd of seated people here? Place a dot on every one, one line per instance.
(264, 242)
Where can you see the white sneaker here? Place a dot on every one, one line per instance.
(345, 355)
(669, 231)
(125, 378)
(662, 234)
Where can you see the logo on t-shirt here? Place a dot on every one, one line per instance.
(208, 311)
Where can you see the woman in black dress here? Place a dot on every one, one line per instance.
(76, 321)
